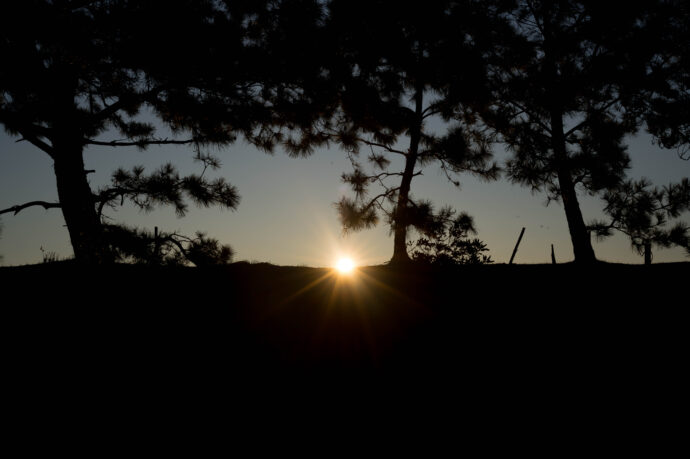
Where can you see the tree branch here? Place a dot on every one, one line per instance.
(444, 168)
(19, 208)
(431, 110)
(140, 143)
(375, 200)
(380, 145)
(29, 132)
(108, 195)
(124, 101)
(34, 140)
(383, 175)
(534, 118)
(586, 120)
(335, 135)
(171, 238)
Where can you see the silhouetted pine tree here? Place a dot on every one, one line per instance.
(74, 72)
(399, 66)
(643, 213)
(563, 80)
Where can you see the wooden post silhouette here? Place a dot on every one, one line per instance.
(516, 246)
(553, 256)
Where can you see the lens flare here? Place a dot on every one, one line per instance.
(345, 265)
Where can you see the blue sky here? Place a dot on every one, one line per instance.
(287, 217)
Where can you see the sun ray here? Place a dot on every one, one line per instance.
(308, 287)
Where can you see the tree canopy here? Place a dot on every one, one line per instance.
(76, 74)
(412, 84)
(564, 80)
(400, 67)
(644, 213)
(666, 102)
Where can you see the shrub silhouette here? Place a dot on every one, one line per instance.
(450, 244)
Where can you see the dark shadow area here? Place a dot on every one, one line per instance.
(489, 325)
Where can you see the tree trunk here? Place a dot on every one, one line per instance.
(400, 255)
(78, 208)
(579, 235)
(400, 234)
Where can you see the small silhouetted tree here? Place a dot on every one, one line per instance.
(395, 65)
(563, 81)
(451, 242)
(644, 214)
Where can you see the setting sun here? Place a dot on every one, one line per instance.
(345, 265)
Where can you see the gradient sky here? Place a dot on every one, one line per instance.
(287, 214)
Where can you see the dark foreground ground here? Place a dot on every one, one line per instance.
(503, 321)
(545, 355)
(555, 358)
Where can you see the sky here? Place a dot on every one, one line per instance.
(287, 215)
